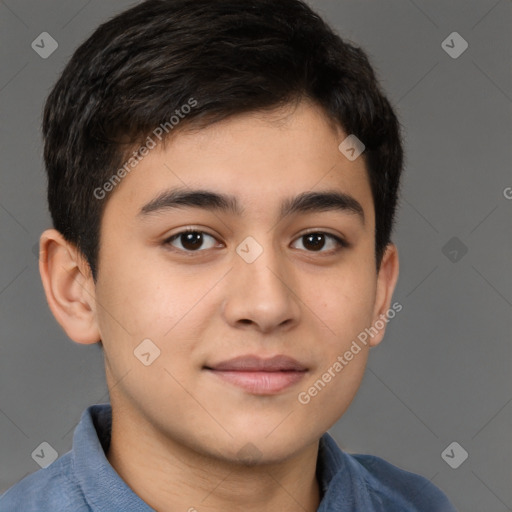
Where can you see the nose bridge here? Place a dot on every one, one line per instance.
(261, 286)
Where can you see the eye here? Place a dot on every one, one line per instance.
(191, 240)
(195, 240)
(315, 241)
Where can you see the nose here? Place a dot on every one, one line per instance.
(263, 294)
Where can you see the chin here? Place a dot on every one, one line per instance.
(254, 447)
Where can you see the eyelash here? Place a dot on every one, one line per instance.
(341, 244)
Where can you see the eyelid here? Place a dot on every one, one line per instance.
(321, 231)
(339, 240)
(190, 229)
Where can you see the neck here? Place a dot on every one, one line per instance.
(170, 476)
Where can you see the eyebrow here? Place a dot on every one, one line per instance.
(307, 202)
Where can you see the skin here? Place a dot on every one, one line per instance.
(177, 429)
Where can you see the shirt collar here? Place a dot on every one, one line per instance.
(329, 463)
(104, 489)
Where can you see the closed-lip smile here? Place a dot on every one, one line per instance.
(260, 376)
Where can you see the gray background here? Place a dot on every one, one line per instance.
(443, 372)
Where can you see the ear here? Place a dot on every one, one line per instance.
(386, 282)
(69, 287)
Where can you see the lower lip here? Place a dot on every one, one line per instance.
(261, 383)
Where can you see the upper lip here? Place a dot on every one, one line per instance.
(252, 363)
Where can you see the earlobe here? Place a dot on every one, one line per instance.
(386, 283)
(69, 287)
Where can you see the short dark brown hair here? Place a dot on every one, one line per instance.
(231, 56)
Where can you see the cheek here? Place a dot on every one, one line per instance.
(143, 298)
(330, 391)
(345, 304)
(157, 303)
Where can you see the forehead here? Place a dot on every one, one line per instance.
(261, 159)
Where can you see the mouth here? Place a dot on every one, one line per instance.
(259, 376)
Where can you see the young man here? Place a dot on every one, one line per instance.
(223, 178)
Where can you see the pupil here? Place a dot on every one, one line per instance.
(192, 240)
(316, 241)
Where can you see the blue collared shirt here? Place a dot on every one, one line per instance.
(82, 480)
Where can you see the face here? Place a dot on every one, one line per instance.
(289, 283)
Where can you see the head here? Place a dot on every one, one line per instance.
(247, 104)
